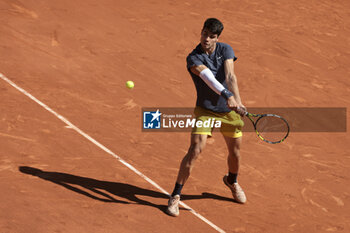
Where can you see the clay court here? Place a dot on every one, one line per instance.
(69, 172)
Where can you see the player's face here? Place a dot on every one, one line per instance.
(208, 40)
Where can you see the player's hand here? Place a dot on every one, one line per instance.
(238, 108)
(241, 109)
(233, 105)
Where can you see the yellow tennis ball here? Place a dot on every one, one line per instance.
(130, 84)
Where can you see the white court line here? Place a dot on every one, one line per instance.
(108, 151)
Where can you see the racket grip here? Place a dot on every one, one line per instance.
(245, 112)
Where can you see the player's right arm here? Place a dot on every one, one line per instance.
(198, 69)
(208, 77)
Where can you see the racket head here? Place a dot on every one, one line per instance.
(272, 128)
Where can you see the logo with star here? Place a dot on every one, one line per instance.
(151, 120)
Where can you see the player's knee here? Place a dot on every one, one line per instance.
(236, 150)
(235, 154)
(237, 145)
(194, 151)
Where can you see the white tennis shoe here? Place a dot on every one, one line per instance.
(173, 206)
(237, 191)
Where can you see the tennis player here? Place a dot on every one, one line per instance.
(211, 66)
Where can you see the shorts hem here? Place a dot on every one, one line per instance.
(232, 135)
(203, 133)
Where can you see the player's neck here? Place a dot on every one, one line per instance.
(209, 51)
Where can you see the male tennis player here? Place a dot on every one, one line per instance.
(211, 66)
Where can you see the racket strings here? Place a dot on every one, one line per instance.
(272, 128)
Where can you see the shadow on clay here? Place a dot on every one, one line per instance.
(106, 191)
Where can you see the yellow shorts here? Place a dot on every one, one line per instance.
(231, 122)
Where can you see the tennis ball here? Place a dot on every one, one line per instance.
(130, 84)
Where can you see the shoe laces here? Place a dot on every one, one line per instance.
(237, 187)
(174, 200)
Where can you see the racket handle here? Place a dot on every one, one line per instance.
(245, 112)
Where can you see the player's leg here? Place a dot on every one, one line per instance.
(234, 156)
(198, 142)
(233, 162)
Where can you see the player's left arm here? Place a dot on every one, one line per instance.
(231, 81)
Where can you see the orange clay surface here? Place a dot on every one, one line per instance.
(75, 56)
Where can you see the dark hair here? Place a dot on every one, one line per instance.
(213, 25)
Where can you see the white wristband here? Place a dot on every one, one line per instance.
(209, 78)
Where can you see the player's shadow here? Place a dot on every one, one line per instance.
(106, 191)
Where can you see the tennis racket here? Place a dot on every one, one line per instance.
(270, 128)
